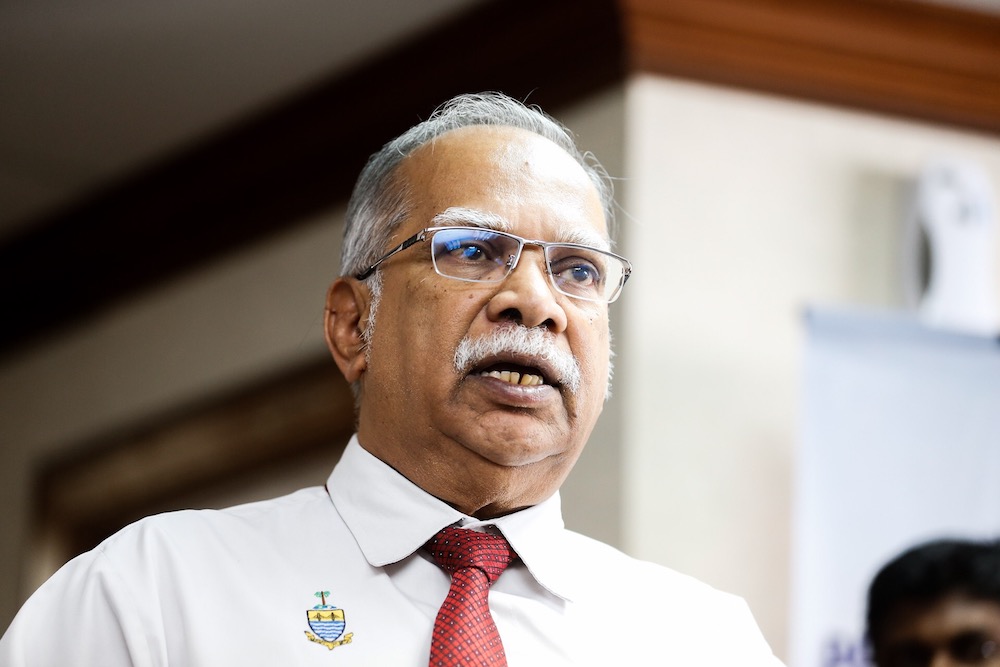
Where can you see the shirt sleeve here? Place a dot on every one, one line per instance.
(83, 616)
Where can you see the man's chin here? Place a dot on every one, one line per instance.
(530, 446)
(507, 429)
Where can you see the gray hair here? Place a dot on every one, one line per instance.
(380, 202)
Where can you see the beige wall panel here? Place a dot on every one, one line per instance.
(745, 209)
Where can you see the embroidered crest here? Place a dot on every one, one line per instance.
(327, 624)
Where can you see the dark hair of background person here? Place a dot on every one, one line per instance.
(928, 572)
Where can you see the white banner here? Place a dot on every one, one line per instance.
(899, 443)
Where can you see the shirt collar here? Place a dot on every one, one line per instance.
(391, 518)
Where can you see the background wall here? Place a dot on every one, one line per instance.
(744, 209)
(241, 318)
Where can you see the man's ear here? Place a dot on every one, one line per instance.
(347, 303)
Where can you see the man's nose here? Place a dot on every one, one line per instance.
(527, 295)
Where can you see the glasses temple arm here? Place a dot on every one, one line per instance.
(416, 238)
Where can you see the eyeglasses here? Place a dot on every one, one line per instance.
(481, 255)
(967, 648)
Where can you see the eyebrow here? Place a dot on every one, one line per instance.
(460, 215)
(584, 237)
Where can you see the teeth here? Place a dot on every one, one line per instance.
(513, 377)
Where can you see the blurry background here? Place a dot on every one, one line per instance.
(172, 180)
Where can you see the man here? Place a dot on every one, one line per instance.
(471, 318)
(937, 604)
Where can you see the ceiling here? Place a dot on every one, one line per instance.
(92, 89)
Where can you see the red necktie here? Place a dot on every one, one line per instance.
(464, 631)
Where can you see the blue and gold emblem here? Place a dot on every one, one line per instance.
(327, 624)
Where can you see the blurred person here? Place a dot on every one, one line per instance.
(937, 604)
(471, 319)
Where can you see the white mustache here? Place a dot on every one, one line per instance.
(520, 341)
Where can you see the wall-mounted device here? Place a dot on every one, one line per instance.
(950, 249)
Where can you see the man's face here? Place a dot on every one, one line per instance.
(483, 444)
(953, 631)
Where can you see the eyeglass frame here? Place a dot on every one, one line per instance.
(428, 232)
(922, 653)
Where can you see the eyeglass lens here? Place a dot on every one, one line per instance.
(484, 255)
(967, 648)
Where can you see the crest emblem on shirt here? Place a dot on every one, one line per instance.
(327, 624)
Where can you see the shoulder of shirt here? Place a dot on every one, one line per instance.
(691, 607)
(647, 576)
(249, 519)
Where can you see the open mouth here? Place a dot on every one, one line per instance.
(513, 374)
(519, 357)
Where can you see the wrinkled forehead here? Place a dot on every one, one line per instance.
(472, 217)
(478, 175)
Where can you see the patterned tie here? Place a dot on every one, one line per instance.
(464, 632)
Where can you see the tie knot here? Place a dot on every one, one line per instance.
(456, 548)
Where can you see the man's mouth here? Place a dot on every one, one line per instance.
(521, 357)
(520, 377)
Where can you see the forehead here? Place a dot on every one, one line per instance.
(509, 174)
(937, 620)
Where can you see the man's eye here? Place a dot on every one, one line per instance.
(973, 648)
(471, 252)
(466, 251)
(582, 274)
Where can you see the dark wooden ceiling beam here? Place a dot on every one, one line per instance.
(922, 61)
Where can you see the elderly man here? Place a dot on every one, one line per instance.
(471, 318)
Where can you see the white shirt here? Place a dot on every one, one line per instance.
(234, 587)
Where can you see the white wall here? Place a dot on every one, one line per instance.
(744, 209)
